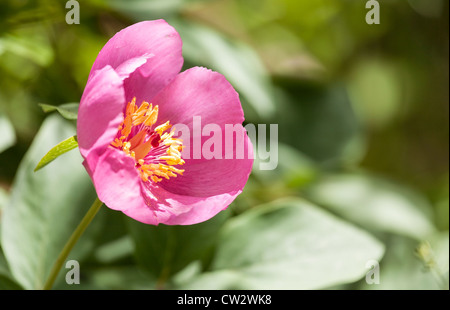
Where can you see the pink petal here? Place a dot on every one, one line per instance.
(120, 187)
(143, 61)
(118, 183)
(152, 38)
(130, 65)
(180, 210)
(203, 178)
(201, 92)
(99, 114)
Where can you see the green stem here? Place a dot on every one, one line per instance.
(71, 243)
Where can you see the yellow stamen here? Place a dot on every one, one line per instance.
(151, 116)
(156, 179)
(142, 150)
(140, 145)
(161, 128)
(137, 139)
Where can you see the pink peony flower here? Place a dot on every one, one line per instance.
(133, 97)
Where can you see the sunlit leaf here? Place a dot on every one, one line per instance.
(45, 208)
(56, 151)
(7, 136)
(115, 250)
(4, 197)
(67, 110)
(288, 244)
(375, 204)
(401, 269)
(442, 251)
(6, 280)
(29, 43)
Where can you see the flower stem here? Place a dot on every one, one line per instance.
(71, 243)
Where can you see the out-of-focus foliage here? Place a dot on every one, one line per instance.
(362, 113)
(8, 135)
(294, 254)
(38, 219)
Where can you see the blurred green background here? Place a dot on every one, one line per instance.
(362, 112)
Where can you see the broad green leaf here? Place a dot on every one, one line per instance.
(4, 270)
(440, 245)
(8, 284)
(56, 151)
(374, 203)
(67, 110)
(402, 269)
(6, 281)
(164, 250)
(4, 197)
(45, 208)
(7, 134)
(434, 253)
(288, 244)
(115, 250)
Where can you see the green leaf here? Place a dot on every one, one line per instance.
(28, 43)
(8, 284)
(164, 250)
(8, 136)
(440, 244)
(6, 281)
(142, 9)
(67, 110)
(288, 244)
(401, 268)
(56, 151)
(115, 250)
(4, 197)
(374, 203)
(45, 208)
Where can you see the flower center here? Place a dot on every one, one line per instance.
(154, 150)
